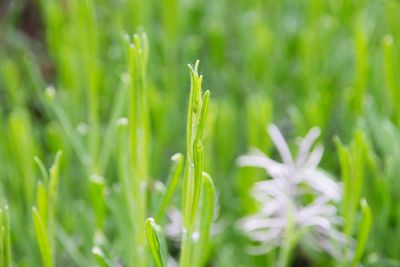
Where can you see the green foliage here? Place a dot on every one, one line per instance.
(192, 181)
(42, 238)
(44, 212)
(154, 242)
(101, 258)
(72, 80)
(5, 239)
(362, 238)
(206, 216)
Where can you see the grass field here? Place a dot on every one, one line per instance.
(199, 133)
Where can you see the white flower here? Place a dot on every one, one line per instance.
(298, 192)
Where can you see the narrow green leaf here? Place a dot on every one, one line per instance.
(52, 196)
(365, 227)
(7, 237)
(198, 173)
(344, 159)
(138, 145)
(201, 122)
(101, 258)
(54, 178)
(154, 242)
(42, 238)
(358, 156)
(42, 201)
(2, 241)
(361, 52)
(206, 215)
(390, 74)
(195, 94)
(97, 187)
(174, 174)
(197, 112)
(42, 169)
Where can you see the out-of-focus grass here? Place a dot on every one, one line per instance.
(331, 64)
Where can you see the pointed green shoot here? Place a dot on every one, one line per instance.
(52, 196)
(42, 238)
(362, 238)
(101, 258)
(201, 122)
(42, 169)
(153, 239)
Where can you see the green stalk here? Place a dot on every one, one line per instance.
(390, 76)
(361, 51)
(5, 239)
(285, 255)
(88, 37)
(44, 212)
(42, 238)
(206, 215)
(154, 240)
(352, 160)
(123, 173)
(197, 113)
(365, 228)
(139, 141)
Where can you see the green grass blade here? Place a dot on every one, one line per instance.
(52, 197)
(42, 201)
(153, 239)
(8, 254)
(42, 239)
(344, 159)
(2, 239)
(5, 238)
(101, 258)
(200, 124)
(362, 238)
(192, 183)
(198, 174)
(42, 169)
(206, 215)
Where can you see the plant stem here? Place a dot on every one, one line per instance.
(197, 113)
(139, 142)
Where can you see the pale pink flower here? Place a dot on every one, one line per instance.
(282, 198)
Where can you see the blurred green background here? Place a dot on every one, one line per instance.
(299, 64)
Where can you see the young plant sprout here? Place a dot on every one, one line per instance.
(198, 187)
(198, 193)
(296, 204)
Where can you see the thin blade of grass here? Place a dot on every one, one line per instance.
(42, 238)
(153, 239)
